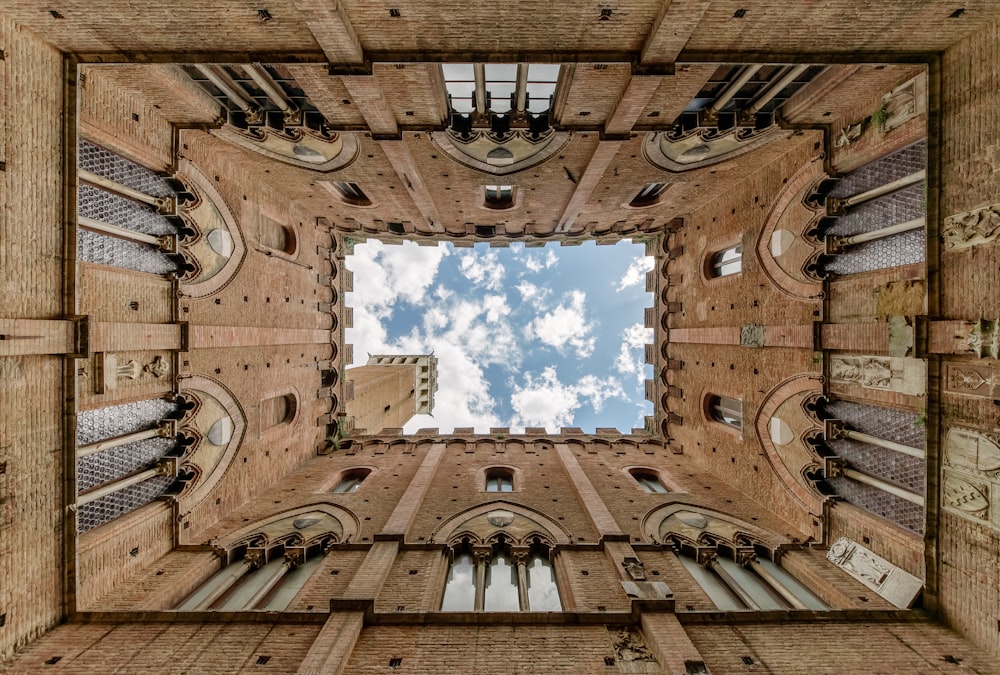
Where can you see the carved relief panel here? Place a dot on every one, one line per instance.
(902, 375)
(894, 584)
(971, 484)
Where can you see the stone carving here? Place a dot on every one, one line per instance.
(960, 378)
(984, 339)
(158, 367)
(976, 451)
(904, 375)
(966, 496)
(971, 228)
(874, 373)
(892, 583)
(848, 135)
(969, 379)
(752, 336)
(629, 646)
(692, 519)
(500, 518)
(303, 523)
(859, 561)
(634, 568)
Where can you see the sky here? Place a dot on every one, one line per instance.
(525, 337)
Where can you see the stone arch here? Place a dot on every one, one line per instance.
(218, 248)
(312, 522)
(699, 526)
(210, 457)
(299, 146)
(478, 152)
(789, 221)
(792, 459)
(476, 521)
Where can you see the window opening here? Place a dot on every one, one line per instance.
(351, 481)
(648, 195)
(499, 480)
(649, 481)
(277, 410)
(727, 262)
(499, 196)
(352, 193)
(727, 410)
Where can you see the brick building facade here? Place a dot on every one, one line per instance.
(813, 493)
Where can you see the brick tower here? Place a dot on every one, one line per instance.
(390, 389)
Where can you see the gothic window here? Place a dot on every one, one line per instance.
(499, 196)
(649, 480)
(726, 262)
(752, 583)
(728, 411)
(501, 578)
(351, 480)
(500, 88)
(124, 457)
(499, 480)
(259, 579)
(649, 195)
(277, 410)
(352, 193)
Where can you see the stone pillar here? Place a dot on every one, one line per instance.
(519, 556)
(711, 561)
(251, 561)
(481, 555)
(772, 581)
(164, 430)
(835, 429)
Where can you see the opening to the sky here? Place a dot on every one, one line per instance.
(525, 337)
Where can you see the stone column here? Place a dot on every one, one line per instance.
(778, 587)
(835, 429)
(836, 245)
(293, 558)
(164, 430)
(519, 556)
(482, 556)
(251, 561)
(710, 560)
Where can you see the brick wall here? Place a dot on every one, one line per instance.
(31, 402)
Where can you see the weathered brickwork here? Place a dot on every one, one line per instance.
(273, 327)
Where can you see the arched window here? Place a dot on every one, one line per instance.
(726, 262)
(650, 194)
(649, 480)
(501, 578)
(728, 411)
(351, 480)
(352, 193)
(499, 196)
(277, 237)
(277, 410)
(259, 579)
(499, 480)
(754, 583)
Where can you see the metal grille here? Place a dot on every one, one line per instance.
(116, 420)
(110, 465)
(119, 503)
(105, 163)
(896, 509)
(895, 467)
(885, 170)
(894, 425)
(899, 207)
(93, 202)
(104, 250)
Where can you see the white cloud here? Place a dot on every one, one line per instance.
(634, 338)
(483, 269)
(536, 263)
(566, 325)
(546, 402)
(636, 272)
(532, 293)
(383, 276)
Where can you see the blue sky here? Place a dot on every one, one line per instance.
(525, 337)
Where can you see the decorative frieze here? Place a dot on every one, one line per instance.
(886, 373)
(971, 228)
(892, 583)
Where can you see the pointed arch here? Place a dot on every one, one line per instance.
(526, 522)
